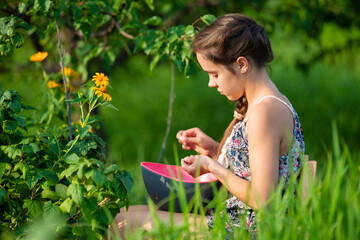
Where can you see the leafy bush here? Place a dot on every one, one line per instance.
(43, 175)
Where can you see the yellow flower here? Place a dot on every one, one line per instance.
(102, 91)
(38, 57)
(53, 84)
(71, 74)
(100, 79)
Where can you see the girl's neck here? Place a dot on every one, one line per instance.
(258, 84)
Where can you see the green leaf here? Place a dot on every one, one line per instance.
(34, 147)
(86, 28)
(75, 100)
(98, 177)
(189, 69)
(111, 168)
(61, 5)
(15, 104)
(23, 167)
(155, 60)
(76, 12)
(34, 207)
(6, 95)
(81, 170)
(150, 4)
(76, 191)
(180, 30)
(109, 105)
(127, 180)
(48, 194)
(31, 148)
(50, 176)
(154, 21)
(69, 171)
(33, 179)
(36, 5)
(86, 145)
(61, 190)
(44, 114)
(189, 30)
(208, 19)
(10, 126)
(93, 7)
(89, 93)
(50, 210)
(79, 231)
(18, 39)
(71, 158)
(99, 163)
(3, 195)
(88, 208)
(65, 206)
(22, 6)
(119, 188)
(83, 131)
(4, 166)
(48, 4)
(171, 34)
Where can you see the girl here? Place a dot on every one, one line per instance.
(253, 155)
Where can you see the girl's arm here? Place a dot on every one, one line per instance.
(265, 131)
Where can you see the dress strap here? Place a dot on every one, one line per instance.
(290, 107)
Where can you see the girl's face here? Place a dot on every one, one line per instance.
(226, 82)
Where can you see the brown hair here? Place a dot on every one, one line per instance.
(228, 38)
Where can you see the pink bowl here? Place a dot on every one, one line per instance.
(159, 179)
(171, 172)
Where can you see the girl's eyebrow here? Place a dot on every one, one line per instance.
(210, 72)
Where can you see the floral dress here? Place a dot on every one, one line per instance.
(235, 154)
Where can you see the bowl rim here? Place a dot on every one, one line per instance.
(204, 178)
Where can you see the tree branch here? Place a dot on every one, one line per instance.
(171, 103)
(122, 32)
(64, 80)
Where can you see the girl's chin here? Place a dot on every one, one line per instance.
(231, 98)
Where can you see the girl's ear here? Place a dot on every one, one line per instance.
(242, 64)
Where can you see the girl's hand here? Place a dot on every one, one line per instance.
(191, 163)
(198, 141)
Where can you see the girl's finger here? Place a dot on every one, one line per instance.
(179, 134)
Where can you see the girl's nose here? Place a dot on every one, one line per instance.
(212, 83)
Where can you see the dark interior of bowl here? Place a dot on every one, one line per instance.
(160, 179)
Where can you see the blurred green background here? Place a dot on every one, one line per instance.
(316, 48)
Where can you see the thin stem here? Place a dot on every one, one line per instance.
(196, 21)
(64, 80)
(72, 145)
(44, 73)
(82, 111)
(51, 105)
(91, 107)
(171, 103)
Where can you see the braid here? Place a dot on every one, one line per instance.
(241, 109)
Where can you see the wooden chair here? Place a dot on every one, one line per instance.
(308, 176)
